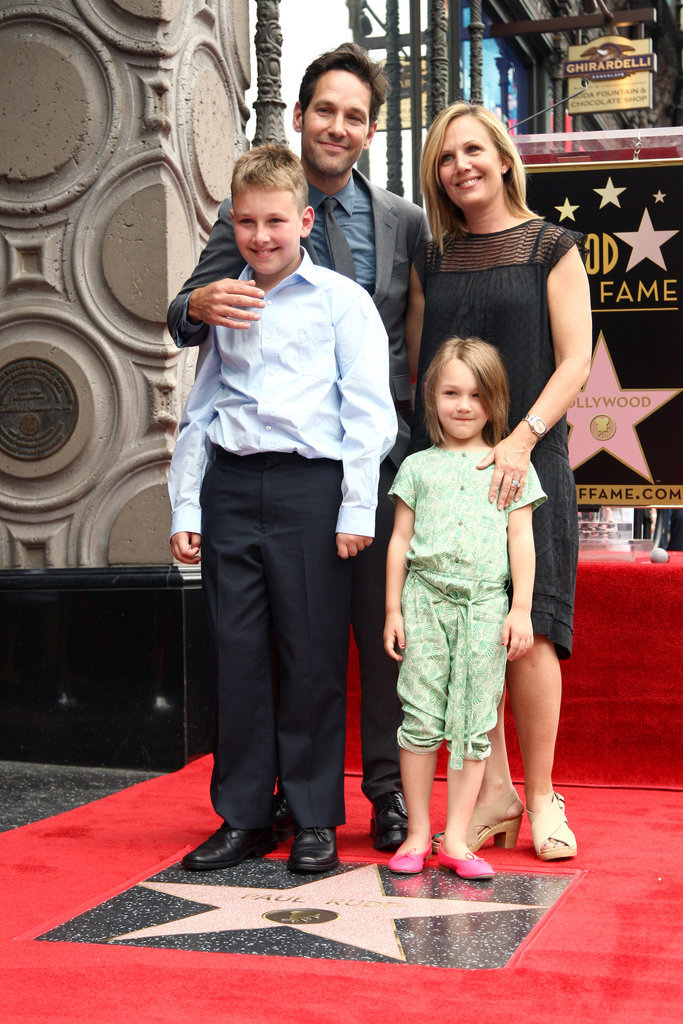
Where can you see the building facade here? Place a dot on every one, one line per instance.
(119, 125)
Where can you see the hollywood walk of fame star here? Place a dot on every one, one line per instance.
(605, 415)
(566, 211)
(659, 196)
(609, 194)
(351, 908)
(646, 243)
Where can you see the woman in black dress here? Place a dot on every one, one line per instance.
(495, 270)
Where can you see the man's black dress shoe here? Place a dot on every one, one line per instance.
(389, 821)
(314, 850)
(229, 846)
(282, 817)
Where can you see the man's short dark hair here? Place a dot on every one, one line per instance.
(352, 58)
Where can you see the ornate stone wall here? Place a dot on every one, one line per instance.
(119, 126)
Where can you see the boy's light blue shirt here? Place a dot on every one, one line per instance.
(311, 376)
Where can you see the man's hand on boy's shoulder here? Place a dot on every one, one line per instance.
(185, 547)
(226, 303)
(349, 544)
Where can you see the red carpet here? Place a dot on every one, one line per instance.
(612, 950)
(622, 708)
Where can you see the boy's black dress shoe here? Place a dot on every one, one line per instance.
(389, 821)
(229, 846)
(314, 850)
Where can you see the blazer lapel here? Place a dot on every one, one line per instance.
(386, 228)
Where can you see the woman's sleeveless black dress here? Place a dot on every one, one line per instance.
(495, 287)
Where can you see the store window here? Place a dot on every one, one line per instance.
(504, 74)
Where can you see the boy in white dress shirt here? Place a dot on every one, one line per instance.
(275, 477)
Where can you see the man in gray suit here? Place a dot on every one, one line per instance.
(339, 100)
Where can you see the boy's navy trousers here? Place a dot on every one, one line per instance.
(270, 569)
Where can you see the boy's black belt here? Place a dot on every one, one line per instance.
(262, 458)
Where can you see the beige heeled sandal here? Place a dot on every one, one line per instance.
(487, 821)
(551, 823)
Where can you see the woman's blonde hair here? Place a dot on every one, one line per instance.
(444, 216)
(485, 362)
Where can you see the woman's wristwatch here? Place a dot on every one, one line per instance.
(536, 423)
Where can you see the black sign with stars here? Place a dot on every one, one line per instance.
(626, 426)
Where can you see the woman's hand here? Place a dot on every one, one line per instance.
(511, 457)
(569, 309)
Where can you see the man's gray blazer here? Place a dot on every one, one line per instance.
(401, 230)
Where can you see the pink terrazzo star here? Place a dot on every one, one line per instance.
(646, 243)
(605, 415)
(350, 908)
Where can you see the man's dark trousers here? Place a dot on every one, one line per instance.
(381, 712)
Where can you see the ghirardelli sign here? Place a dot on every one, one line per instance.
(619, 72)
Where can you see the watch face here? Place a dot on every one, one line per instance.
(536, 424)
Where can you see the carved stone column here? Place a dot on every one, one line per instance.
(119, 125)
(393, 69)
(503, 65)
(269, 105)
(437, 59)
(476, 53)
(559, 54)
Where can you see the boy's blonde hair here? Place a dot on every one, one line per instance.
(271, 166)
(485, 362)
(443, 215)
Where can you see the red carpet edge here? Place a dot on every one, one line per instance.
(611, 950)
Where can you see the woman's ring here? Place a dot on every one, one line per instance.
(516, 483)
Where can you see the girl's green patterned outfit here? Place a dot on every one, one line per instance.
(454, 602)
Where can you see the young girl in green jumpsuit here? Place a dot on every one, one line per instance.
(449, 620)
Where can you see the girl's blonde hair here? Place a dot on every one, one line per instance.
(485, 362)
(444, 216)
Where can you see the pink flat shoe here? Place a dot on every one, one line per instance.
(410, 863)
(470, 867)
